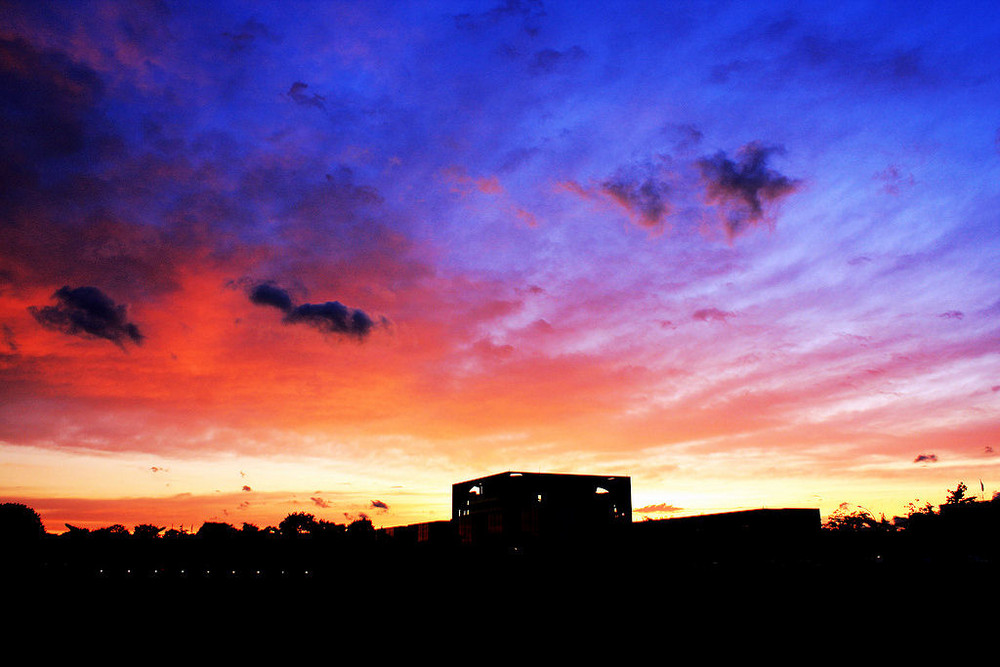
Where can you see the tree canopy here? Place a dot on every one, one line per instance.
(19, 522)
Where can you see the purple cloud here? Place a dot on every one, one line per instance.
(744, 187)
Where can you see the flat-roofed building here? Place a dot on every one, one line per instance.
(513, 509)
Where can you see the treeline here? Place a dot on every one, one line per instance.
(300, 546)
(958, 506)
(962, 532)
(19, 523)
(295, 525)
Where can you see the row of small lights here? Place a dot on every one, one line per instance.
(207, 572)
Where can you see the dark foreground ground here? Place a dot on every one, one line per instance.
(828, 591)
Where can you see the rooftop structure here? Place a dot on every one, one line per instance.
(514, 508)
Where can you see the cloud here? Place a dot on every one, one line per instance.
(548, 60)
(926, 458)
(250, 32)
(330, 317)
(463, 184)
(268, 295)
(46, 100)
(641, 191)
(685, 136)
(379, 505)
(247, 489)
(524, 9)
(89, 313)
(892, 180)
(709, 314)
(298, 94)
(8, 338)
(952, 315)
(659, 508)
(746, 186)
(320, 502)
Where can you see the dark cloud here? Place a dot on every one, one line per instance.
(685, 136)
(926, 458)
(45, 102)
(331, 317)
(548, 60)
(708, 314)
(744, 186)
(298, 94)
(319, 502)
(517, 157)
(952, 315)
(8, 338)
(269, 295)
(661, 507)
(721, 73)
(855, 58)
(75, 202)
(526, 10)
(379, 505)
(250, 32)
(246, 488)
(641, 191)
(89, 313)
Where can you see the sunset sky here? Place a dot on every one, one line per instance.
(259, 258)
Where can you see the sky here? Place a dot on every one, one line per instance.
(332, 257)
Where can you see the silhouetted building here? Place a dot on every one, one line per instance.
(439, 532)
(746, 535)
(514, 509)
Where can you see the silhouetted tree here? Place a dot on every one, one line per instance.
(926, 510)
(146, 531)
(857, 520)
(361, 529)
(958, 497)
(249, 529)
(19, 523)
(75, 532)
(116, 531)
(213, 530)
(328, 530)
(297, 523)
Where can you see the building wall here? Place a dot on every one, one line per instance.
(520, 507)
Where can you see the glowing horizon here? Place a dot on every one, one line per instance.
(317, 257)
